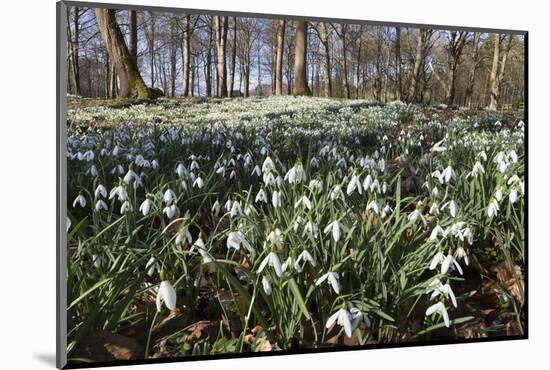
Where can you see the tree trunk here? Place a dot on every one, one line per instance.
(279, 57)
(173, 55)
(328, 68)
(418, 59)
(385, 93)
(472, 71)
(76, 66)
(208, 66)
(151, 43)
(233, 58)
(132, 18)
(131, 83)
(259, 74)
(185, 56)
(221, 40)
(493, 105)
(344, 59)
(399, 84)
(300, 54)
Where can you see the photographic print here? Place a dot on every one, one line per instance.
(242, 184)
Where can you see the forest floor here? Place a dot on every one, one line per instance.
(383, 254)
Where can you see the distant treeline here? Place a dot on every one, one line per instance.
(146, 54)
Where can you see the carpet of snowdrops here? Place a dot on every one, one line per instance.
(211, 226)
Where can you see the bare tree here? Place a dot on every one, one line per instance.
(300, 56)
(132, 20)
(221, 40)
(131, 83)
(279, 57)
(498, 66)
(324, 37)
(186, 55)
(399, 83)
(474, 56)
(454, 48)
(422, 39)
(233, 57)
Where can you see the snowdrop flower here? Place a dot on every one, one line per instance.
(198, 183)
(367, 182)
(493, 208)
(438, 230)
(358, 316)
(152, 266)
(221, 171)
(130, 175)
(276, 199)
(268, 165)
(336, 227)
(256, 171)
(332, 280)
(100, 191)
(145, 206)
(216, 207)
(296, 174)
(306, 256)
(181, 170)
(273, 260)
(198, 244)
(182, 235)
(513, 179)
(205, 256)
(436, 174)
(439, 258)
(93, 171)
(266, 285)
(171, 211)
(415, 216)
(440, 309)
(343, 318)
(448, 174)
(80, 200)
(236, 210)
(461, 253)
(97, 261)
(169, 197)
(261, 196)
(68, 223)
(235, 239)
(449, 261)
(438, 148)
(513, 196)
(126, 207)
(434, 209)
(316, 185)
(275, 237)
(337, 193)
(498, 195)
(442, 289)
(303, 200)
(194, 165)
(373, 206)
(478, 169)
(100, 205)
(311, 228)
(387, 209)
(354, 184)
(314, 162)
(166, 294)
(453, 208)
